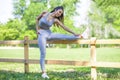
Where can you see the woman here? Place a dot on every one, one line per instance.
(43, 23)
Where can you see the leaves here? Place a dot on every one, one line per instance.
(107, 2)
(105, 14)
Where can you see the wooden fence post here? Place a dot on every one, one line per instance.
(93, 59)
(26, 54)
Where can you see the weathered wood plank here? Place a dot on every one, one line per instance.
(79, 41)
(108, 41)
(65, 62)
(12, 42)
(107, 64)
(12, 60)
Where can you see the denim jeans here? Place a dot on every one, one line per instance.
(48, 35)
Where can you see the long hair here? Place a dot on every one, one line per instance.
(60, 18)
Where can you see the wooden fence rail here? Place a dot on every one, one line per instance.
(92, 63)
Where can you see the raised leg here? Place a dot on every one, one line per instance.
(55, 36)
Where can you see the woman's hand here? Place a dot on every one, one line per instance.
(79, 35)
(38, 32)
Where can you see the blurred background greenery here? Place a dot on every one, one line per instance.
(102, 18)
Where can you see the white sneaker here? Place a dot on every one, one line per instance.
(44, 75)
(85, 34)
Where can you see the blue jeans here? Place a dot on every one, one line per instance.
(48, 35)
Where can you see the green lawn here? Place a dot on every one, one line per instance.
(103, 54)
(15, 71)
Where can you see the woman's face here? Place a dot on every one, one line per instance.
(58, 12)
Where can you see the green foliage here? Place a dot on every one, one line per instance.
(16, 29)
(17, 24)
(31, 33)
(35, 8)
(12, 30)
(8, 33)
(30, 14)
(103, 13)
(26, 16)
(111, 10)
(19, 7)
(107, 2)
(1, 31)
(104, 19)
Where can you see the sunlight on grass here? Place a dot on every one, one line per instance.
(103, 54)
(15, 71)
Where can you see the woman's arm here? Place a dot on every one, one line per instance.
(64, 27)
(37, 20)
(41, 15)
(37, 26)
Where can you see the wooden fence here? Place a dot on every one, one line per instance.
(92, 63)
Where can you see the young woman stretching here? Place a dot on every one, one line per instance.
(43, 23)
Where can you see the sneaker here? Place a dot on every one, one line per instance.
(85, 34)
(44, 75)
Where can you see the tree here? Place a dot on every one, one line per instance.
(8, 33)
(30, 12)
(109, 12)
(12, 29)
(107, 2)
(1, 31)
(19, 7)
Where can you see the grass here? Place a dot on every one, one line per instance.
(15, 71)
(103, 54)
